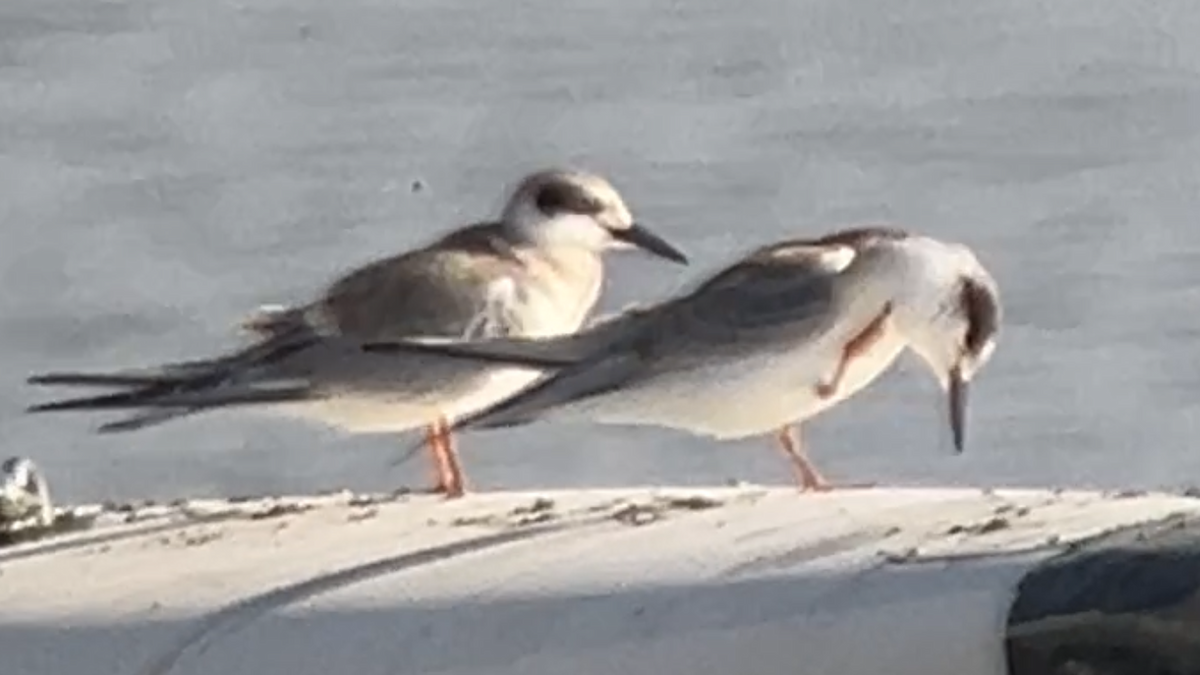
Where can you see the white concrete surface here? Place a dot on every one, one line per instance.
(742, 580)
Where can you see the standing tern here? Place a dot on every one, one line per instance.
(778, 337)
(535, 272)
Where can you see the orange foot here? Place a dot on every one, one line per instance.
(825, 486)
(807, 476)
(811, 480)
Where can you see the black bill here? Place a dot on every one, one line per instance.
(637, 235)
(957, 393)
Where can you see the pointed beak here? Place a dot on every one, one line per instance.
(957, 393)
(637, 235)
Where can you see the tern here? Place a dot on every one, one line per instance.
(781, 335)
(537, 271)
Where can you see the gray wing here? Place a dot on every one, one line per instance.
(436, 291)
(777, 296)
(431, 291)
(764, 302)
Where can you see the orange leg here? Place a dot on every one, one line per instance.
(856, 347)
(433, 441)
(806, 472)
(445, 459)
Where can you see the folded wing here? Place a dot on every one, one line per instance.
(392, 298)
(775, 296)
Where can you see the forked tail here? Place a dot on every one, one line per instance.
(179, 389)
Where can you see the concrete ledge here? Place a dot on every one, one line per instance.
(740, 580)
(1127, 603)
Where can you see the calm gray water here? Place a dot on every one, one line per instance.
(168, 165)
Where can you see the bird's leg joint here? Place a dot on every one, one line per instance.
(856, 347)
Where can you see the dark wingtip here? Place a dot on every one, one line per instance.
(98, 379)
(121, 426)
(48, 378)
(46, 407)
(122, 399)
(382, 347)
(57, 406)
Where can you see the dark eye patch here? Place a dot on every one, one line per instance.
(982, 311)
(560, 198)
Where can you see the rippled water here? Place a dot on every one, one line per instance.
(166, 166)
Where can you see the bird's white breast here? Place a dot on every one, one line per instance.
(558, 292)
